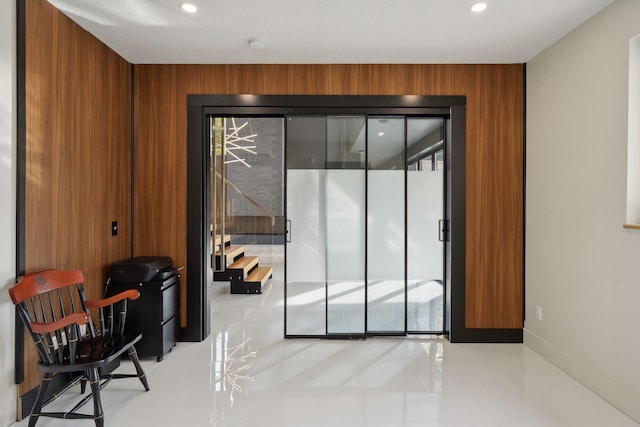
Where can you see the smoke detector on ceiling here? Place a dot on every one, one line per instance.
(256, 44)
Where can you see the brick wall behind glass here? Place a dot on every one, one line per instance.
(264, 180)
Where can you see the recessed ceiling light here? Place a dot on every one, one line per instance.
(189, 7)
(478, 7)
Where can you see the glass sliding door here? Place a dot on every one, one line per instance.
(306, 243)
(325, 254)
(364, 210)
(425, 214)
(345, 225)
(386, 291)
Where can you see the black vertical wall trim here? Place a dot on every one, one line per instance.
(199, 271)
(132, 154)
(524, 190)
(21, 176)
(457, 226)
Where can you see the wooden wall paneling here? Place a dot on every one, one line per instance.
(246, 78)
(306, 79)
(349, 79)
(419, 79)
(390, 79)
(77, 147)
(510, 178)
(494, 197)
(494, 137)
(159, 165)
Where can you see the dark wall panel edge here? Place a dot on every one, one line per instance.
(21, 176)
(524, 190)
(132, 155)
(195, 265)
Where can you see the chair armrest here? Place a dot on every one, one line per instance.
(43, 328)
(131, 294)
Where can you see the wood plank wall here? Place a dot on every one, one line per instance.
(494, 270)
(78, 142)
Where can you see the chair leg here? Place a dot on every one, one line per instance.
(37, 405)
(133, 355)
(94, 382)
(83, 385)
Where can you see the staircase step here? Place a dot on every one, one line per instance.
(246, 263)
(227, 239)
(259, 275)
(231, 251)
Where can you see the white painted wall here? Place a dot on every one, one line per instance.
(633, 147)
(582, 267)
(7, 212)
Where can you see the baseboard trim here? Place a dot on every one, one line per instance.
(596, 382)
(477, 335)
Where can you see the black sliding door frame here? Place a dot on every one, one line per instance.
(200, 107)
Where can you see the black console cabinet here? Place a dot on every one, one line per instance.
(154, 314)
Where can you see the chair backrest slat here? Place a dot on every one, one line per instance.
(122, 317)
(60, 301)
(43, 311)
(73, 300)
(52, 309)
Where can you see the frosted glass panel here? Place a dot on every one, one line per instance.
(385, 265)
(424, 250)
(306, 252)
(425, 209)
(385, 224)
(345, 212)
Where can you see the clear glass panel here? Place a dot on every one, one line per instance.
(345, 227)
(386, 228)
(247, 183)
(306, 278)
(217, 189)
(425, 185)
(254, 180)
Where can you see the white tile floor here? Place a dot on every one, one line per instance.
(245, 374)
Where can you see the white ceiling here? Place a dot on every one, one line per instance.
(329, 31)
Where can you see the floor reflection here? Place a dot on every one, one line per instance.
(232, 363)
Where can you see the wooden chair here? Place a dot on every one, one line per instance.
(53, 307)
